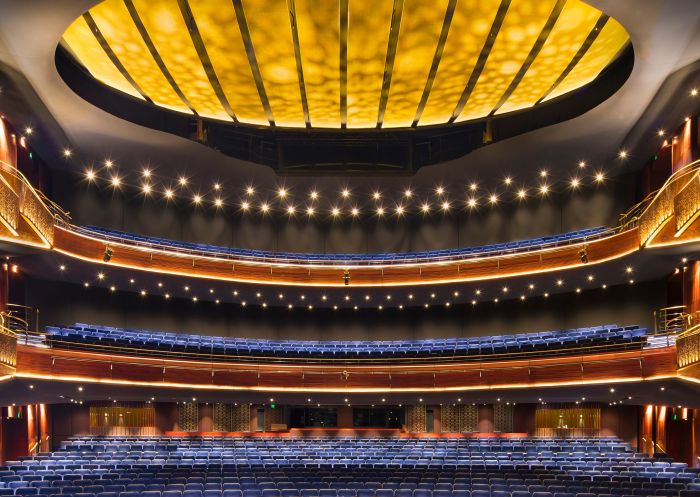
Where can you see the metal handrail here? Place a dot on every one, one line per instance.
(272, 259)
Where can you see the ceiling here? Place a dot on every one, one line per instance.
(665, 37)
(359, 64)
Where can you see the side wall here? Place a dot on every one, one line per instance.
(61, 303)
(179, 220)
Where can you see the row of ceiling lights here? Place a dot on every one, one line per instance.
(282, 200)
(383, 400)
(259, 298)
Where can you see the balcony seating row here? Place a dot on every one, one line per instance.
(376, 258)
(276, 467)
(608, 337)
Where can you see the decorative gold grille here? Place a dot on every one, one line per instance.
(8, 345)
(688, 347)
(131, 418)
(273, 417)
(9, 204)
(687, 203)
(36, 212)
(459, 418)
(503, 418)
(416, 417)
(188, 414)
(565, 420)
(229, 417)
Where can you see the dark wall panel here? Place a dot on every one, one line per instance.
(62, 303)
(510, 220)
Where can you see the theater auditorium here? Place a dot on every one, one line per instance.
(350, 248)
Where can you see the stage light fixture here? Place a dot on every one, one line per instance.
(107, 255)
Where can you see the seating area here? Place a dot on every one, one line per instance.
(378, 258)
(608, 337)
(346, 467)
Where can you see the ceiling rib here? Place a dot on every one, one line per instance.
(253, 60)
(154, 53)
(344, 12)
(534, 51)
(394, 29)
(291, 6)
(112, 56)
(602, 20)
(449, 13)
(204, 56)
(481, 61)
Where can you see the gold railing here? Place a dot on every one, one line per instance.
(8, 344)
(674, 320)
(662, 206)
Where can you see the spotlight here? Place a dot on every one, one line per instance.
(583, 255)
(107, 256)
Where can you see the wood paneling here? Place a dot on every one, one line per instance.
(92, 249)
(65, 364)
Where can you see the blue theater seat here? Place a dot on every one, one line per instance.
(597, 338)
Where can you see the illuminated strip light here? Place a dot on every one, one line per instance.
(206, 386)
(360, 285)
(112, 56)
(493, 364)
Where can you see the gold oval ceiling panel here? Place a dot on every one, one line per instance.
(345, 63)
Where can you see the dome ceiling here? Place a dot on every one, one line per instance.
(346, 63)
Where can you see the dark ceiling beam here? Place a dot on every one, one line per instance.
(204, 56)
(154, 53)
(447, 21)
(253, 60)
(394, 30)
(597, 28)
(534, 52)
(112, 56)
(291, 6)
(343, 14)
(481, 61)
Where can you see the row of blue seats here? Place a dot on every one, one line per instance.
(87, 335)
(155, 242)
(312, 493)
